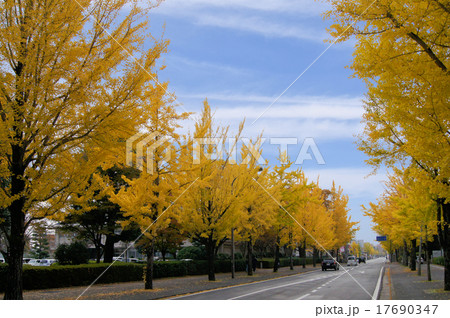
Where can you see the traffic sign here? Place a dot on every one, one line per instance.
(381, 238)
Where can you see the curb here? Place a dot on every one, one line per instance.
(174, 297)
(378, 288)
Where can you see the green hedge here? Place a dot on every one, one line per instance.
(58, 276)
(284, 262)
(438, 260)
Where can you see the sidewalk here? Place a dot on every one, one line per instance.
(400, 283)
(163, 287)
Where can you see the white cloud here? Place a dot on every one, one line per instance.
(356, 182)
(313, 111)
(262, 26)
(317, 129)
(284, 6)
(269, 18)
(182, 63)
(321, 117)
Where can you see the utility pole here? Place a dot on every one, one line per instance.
(233, 268)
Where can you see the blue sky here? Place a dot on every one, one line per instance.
(242, 55)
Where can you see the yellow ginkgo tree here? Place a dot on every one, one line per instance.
(214, 203)
(147, 199)
(402, 53)
(258, 205)
(70, 94)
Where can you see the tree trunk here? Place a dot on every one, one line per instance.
(291, 260)
(429, 249)
(277, 255)
(302, 251)
(405, 253)
(443, 217)
(211, 255)
(314, 256)
(109, 249)
(149, 268)
(412, 259)
(14, 278)
(291, 252)
(419, 264)
(249, 258)
(98, 253)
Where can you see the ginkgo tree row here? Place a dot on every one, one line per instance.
(402, 53)
(209, 194)
(78, 78)
(405, 213)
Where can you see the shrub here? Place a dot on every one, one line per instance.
(238, 256)
(61, 254)
(438, 260)
(74, 254)
(192, 252)
(223, 257)
(284, 262)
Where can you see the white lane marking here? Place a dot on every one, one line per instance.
(241, 285)
(304, 296)
(377, 288)
(275, 287)
(314, 290)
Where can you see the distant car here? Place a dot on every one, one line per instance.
(47, 262)
(34, 262)
(329, 263)
(26, 260)
(361, 260)
(2, 260)
(119, 259)
(351, 261)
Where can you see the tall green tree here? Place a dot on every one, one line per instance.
(39, 241)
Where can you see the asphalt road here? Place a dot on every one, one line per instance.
(357, 282)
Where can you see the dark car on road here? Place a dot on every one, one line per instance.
(362, 260)
(329, 264)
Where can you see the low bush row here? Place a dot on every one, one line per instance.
(284, 262)
(58, 276)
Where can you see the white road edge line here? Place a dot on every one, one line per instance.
(270, 288)
(240, 285)
(304, 296)
(377, 288)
